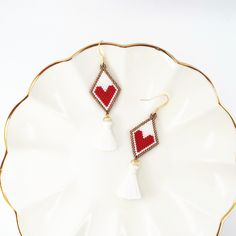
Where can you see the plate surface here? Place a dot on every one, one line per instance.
(59, 184)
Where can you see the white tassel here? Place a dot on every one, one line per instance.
(106, 141)
(130, 188)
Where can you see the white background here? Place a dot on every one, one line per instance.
(34, 34)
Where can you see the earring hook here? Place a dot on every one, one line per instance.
(100, 53)
(161, 105)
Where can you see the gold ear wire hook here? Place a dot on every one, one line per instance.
(160, 106)
(100, 53)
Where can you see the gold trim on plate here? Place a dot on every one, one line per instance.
(225, 216)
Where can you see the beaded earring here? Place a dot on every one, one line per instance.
(105, 91)
(143, 138)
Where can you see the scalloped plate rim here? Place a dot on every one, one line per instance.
(224, 217)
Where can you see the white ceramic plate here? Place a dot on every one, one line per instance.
(59, 184)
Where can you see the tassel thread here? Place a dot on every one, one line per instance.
(106, 141)
(129, 189)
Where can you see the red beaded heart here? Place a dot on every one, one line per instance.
(142, 142)
(105, 96)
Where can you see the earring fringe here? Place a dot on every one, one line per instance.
(129, 189)
(107, 141)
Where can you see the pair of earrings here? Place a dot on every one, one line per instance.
(105, 91)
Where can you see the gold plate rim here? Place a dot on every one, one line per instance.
(224, 217)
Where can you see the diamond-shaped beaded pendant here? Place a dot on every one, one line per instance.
(144, 136)
(105, 89)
